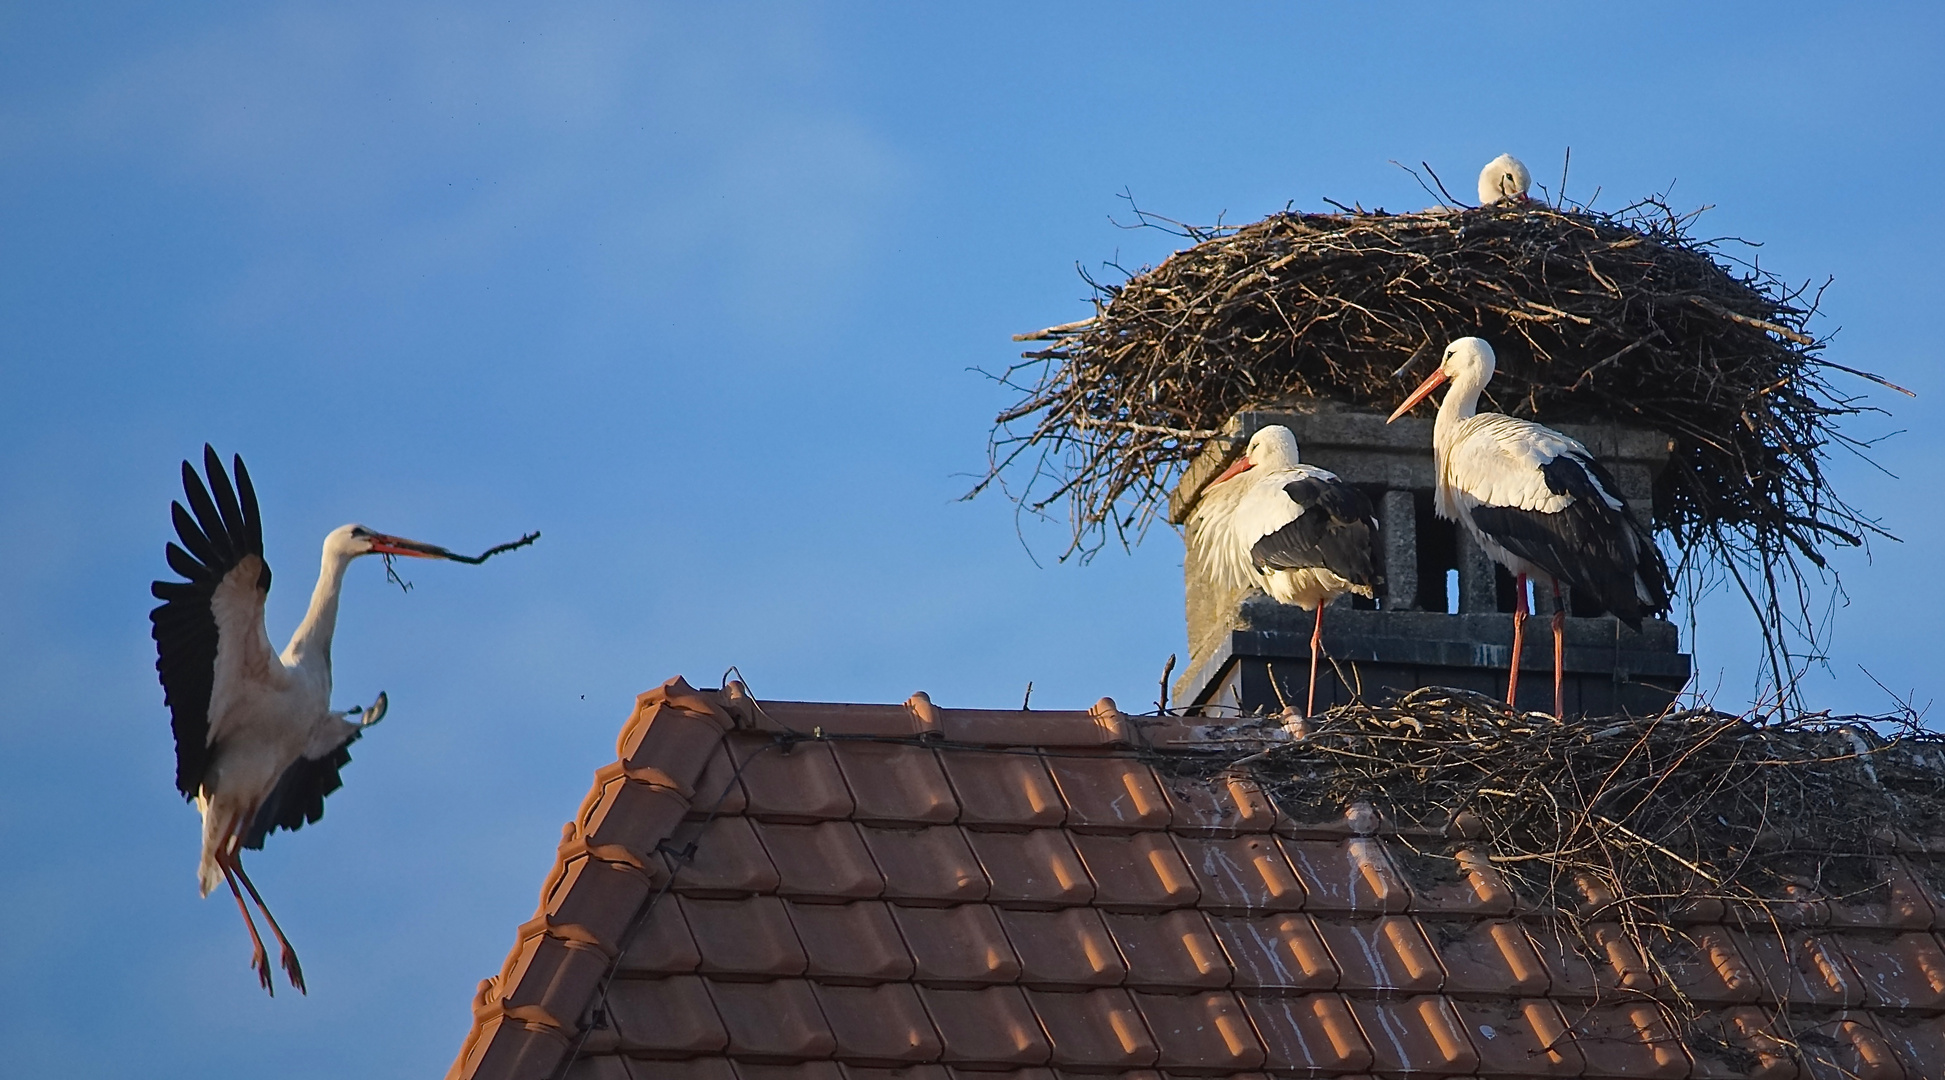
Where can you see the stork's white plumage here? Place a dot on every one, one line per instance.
(1504, 179)
(1539, 504)
(1296, 532)
(258, 746)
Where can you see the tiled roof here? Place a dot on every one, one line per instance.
(904, 892)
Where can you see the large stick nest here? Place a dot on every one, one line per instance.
(1647, 824)
(1622, 317)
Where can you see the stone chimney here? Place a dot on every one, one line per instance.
(1444, 617)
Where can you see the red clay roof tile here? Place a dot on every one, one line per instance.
(1799, 967)
(957, 946)
(1139, 872)
(790, 781)
(1900, 905)
(879, 1025)
(1206, 1032)
(1098, 1029)
(1314, 1035)
(1463, 883)
(1107, 794)
(897, 784)
(1225, 806)
(633, 816)
(777, 1020)
(1494, 957)
(713, 1068)
(550, 979)
(1570, 969)
(1421, 1035)
(506, 1047)
(745, 938)
(1387, 954)
(908, 1072)
(598, 897)
(662, 944)
(849, 943)
(718, 791)
(1703, 965)
(672, 734)
(803, 1070)
(992, 1027)
(1069, 949)
(1348, 876)
(1627, 1041)
(1519, 1038)
(1276, 954)
(726, 860)
(672, 1017)
(1918, 1043)
(1003, 791)
(1174, 950)
(1899, 971)
(825, 861)
(1036, 869)
(927, 865)
(813, 717)
(1101, 726)
(603, 1067)
(1848, 1047)
(1245, 873)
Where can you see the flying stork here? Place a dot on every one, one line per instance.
(1539, 504)
(1295, 531)
(1504, 180)
(258, 746)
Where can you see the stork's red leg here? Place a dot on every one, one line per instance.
(289, 957)
(1519, 641)
(1316, 646)
(259, 959)
(1559, 651)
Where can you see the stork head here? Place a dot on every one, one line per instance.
(1504, 180)
(351, 541)
(1273, 447)
(1469, 360)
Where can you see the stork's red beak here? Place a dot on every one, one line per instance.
(1239, 465)
(382, 544)
(1431, 383)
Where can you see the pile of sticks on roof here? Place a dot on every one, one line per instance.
(1623, 820)
(1624, 317)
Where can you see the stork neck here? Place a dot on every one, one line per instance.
(312, 641)
(1461, 401)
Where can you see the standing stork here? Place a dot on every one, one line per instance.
(258, 746)
(1292, 530)
(1539, 505)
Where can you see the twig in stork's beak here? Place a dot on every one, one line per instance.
(398, 545)
(394, 546)
(1431, 383)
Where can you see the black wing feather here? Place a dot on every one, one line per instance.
(207, 516)
(191, 535)
(298, 798)
(1337, 530)
(1598, 551)
(214, 540)
(219, 485)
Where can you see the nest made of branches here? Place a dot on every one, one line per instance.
(1637, 822)
(1625, 317)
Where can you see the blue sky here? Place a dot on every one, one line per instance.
(696, 292)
